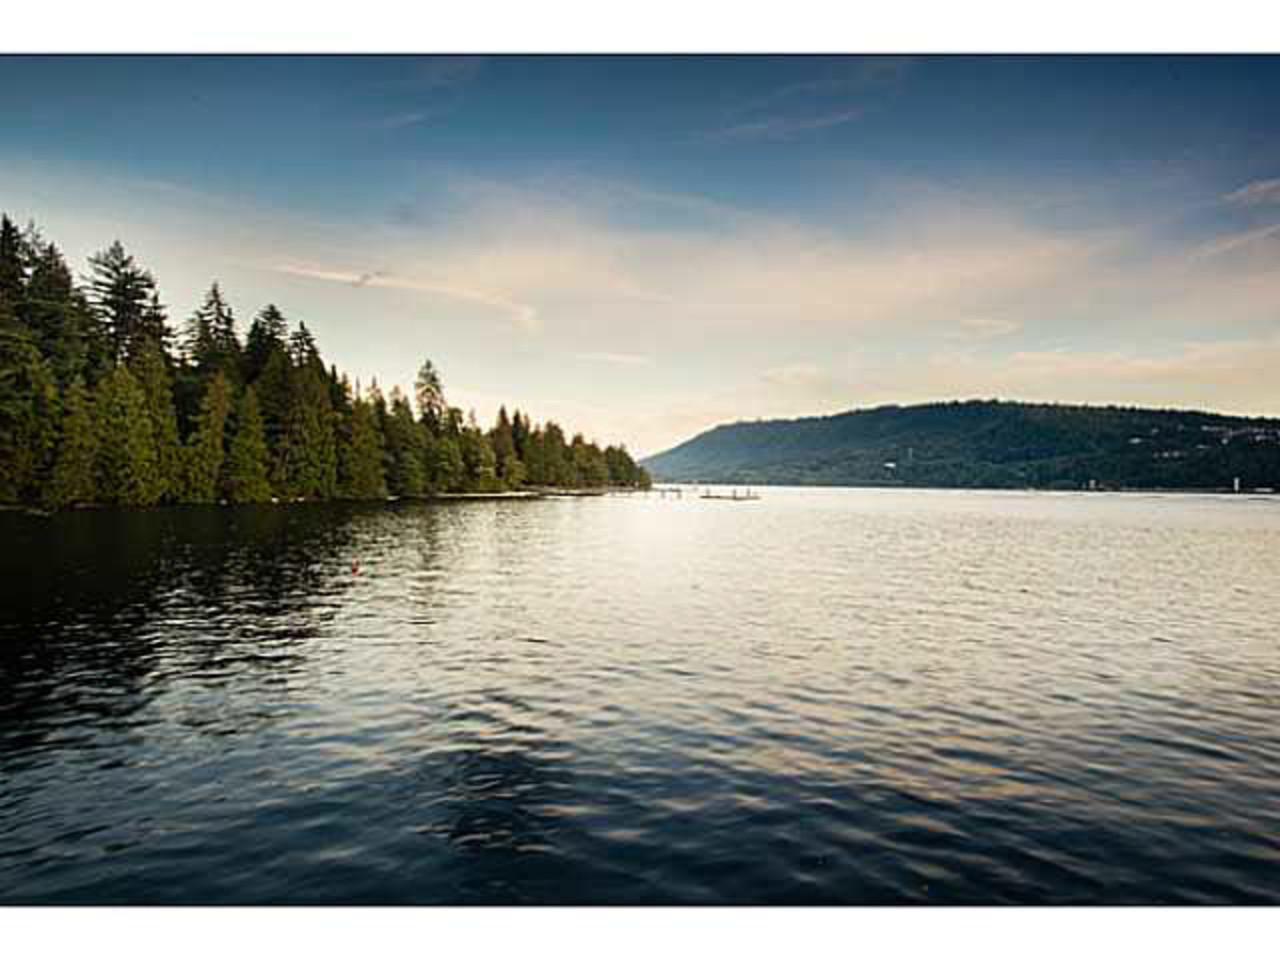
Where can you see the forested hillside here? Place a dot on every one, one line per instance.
(987, 444)
(102, 403)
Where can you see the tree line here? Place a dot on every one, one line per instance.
(102, 403)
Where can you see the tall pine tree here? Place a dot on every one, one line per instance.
(248, 458)
(363, 477)
(74, 479)
(13, 267)
(205, 450)
(28, 413)
(406, 476)
(502, 439)
(267, 336)
(152, 371)
(125, 441)
(211, 344)
(122, 295)
(58, 315)
(306, 455)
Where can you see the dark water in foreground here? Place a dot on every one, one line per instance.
(822, 697)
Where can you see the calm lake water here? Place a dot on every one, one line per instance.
(826, 696)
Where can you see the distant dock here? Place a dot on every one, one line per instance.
(732, 495)
(706, 494)
(664, 492)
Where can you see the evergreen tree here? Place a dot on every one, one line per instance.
(502, 440)
(363, 478)
(318, 422)
(266, 338)
(121, 293)
(306, 457)
(622, 470)
(206, 449)
(427, 445)
(248, 458)
(197, 337)
(340, 399)
(486, 478)
(447, 472)
(589, 466)
(275, 388)
(407, 475)
(557, 464)
(429, 392)
(153, 375)
(154, 328)
(514, 477)
(519, 434)
(535, 459)
(13, 267)
(58, 315)
(74, 479)
(211, 343)
(479, 465)
(125, 441)
(29, 413)
(381, 417)
(302, 347)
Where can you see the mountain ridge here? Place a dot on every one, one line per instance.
(986, 443)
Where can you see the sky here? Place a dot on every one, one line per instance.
(643, 247)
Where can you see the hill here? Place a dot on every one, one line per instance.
(986, 443)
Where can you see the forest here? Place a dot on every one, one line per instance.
(102, 402)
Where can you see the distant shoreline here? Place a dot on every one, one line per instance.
(755, 484)
(989, 444)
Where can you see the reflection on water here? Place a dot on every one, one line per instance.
(822, 697)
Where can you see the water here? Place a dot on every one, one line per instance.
(825, 696)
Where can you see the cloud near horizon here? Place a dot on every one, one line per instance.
(617, 359)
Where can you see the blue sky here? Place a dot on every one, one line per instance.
(642, 247)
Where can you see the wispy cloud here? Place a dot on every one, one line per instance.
(830, 100)
(522, 315)
(446, 71)
(984, 328)
(784, 128)
(433, 87)
(617, 359)
(1237, 241)
(796, 375)
(581, 250)
(1257, 193)
(848, 76)
(399, 121)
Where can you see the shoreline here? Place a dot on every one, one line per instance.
(541, 493)
(569, 494)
